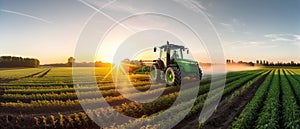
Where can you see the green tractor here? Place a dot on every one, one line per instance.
(171, 67)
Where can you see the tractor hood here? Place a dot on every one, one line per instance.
(185, 61)
(189, 66)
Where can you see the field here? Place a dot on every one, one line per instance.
(46, 98)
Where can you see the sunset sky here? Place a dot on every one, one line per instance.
(248, 30)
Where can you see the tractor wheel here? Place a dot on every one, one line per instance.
(173, 76)
(155, 73)
(199, 75)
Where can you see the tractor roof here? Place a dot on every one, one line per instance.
(172, 46)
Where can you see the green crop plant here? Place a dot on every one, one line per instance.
(291, 114)
(249, 114)
(269, 117)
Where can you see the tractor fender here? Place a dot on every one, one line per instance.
(160, 63)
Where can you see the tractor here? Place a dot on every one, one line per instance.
(171, 66)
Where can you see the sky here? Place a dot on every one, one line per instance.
(248, 30)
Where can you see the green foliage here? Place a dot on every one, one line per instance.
(182, 108)
(55, 93)
(290, 112)
(269, 117)
(250, 112)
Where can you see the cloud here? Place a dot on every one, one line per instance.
(297, 37)
(98, 8)
(237, 22)
(233, 25)
(191, 4)
(25, 15)
(117, 6)
(250, 44)
(275, 40)
(195, 5)
(283, 37)
(123, 7)
(227, 27)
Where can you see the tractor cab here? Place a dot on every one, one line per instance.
(169, 52)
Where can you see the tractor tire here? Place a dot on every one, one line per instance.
(199, 75)
(173, 76)
(155, 74)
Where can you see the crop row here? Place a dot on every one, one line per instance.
(269, 117)
(64, 82)
(89, 96)
(289, 104)
(75, 120)
(244, 88)
(115, 100)
(295, 83)
(13, 95)
(295, 74)
(86, 93)
(247, 118)
(64, 89)
(180, 109)
(295, 71)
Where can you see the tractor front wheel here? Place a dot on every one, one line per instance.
(155, 73)
(173, 76)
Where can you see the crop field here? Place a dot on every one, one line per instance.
(46, 98)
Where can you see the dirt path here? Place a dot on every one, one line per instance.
(225, 113)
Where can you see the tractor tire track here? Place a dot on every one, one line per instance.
(7, 80)
(45, 73)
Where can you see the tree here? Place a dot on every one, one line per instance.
(293, 63)
(71, 61)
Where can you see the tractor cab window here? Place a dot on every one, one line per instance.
(163, 54)
(176, 53)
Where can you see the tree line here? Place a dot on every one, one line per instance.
(71, 63)
(264, 63)
(12, 62)
(267, 63)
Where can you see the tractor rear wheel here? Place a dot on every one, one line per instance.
(173, 76)
(155, 73)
